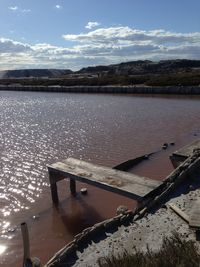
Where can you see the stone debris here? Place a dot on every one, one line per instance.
(121, 210)
(84, 191)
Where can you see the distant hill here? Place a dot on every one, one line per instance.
(141, 67)
(142, 72)
(35, 73)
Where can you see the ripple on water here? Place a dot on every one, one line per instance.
(39, 129)
(33, 133)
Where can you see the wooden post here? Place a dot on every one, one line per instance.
(73, 187)
(53, 185)
(54, 193)
(26, 244)
(27, 260)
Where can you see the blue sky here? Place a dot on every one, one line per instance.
(77, 33)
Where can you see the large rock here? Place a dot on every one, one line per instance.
(121, 210)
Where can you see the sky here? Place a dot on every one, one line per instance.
(72, 34)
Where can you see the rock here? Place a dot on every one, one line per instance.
(111, 223)
(121, 210)
(84, 191)
(164, 206)
(35, 217)
(12, 230)
(191, 187)
(35, 262)
(165, 146)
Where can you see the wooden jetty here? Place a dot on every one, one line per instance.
(123, 183)
(182, 154)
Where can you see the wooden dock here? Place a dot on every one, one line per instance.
(182, 154)
(123, 183)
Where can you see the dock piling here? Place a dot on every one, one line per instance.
(73, 187)
(54, 193)
(26, 244)
(27, 260)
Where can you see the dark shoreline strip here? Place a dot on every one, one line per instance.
(178, 90)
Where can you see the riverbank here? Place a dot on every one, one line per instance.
(114, 89)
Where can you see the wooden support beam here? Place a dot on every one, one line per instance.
(73, 187)
(54, 193)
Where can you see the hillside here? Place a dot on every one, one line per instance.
(146, 73)
(145, 67)
(28, 73)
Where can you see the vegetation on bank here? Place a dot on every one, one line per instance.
(176, 79)
(175, 252)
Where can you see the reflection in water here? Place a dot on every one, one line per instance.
(37, 129)
(81, 215)
(2, 249)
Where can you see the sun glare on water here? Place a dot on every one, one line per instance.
(2, 249)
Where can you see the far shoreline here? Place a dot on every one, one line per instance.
(109, 89)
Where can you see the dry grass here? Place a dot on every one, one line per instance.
(174, 252)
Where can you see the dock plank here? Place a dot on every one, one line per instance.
(183, 153)
(194, 219)
(187, 151)
(124, 183)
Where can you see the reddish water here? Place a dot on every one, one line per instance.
(41, 128)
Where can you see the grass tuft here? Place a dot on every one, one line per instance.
(175, 252)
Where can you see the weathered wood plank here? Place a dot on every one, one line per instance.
(182, 154)
(194, 219)
(187, 151)
(104, 177)
(178, 211)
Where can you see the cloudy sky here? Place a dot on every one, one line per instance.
(77, 33)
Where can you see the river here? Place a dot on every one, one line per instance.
(37, 129)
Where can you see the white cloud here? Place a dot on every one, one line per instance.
(13, 8)
(101, 46)
(128, 35)
(10, 46)
(25, 10)
(16, 8)
(92, 24)
(58, 6)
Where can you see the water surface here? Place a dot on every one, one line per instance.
(37, 129)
